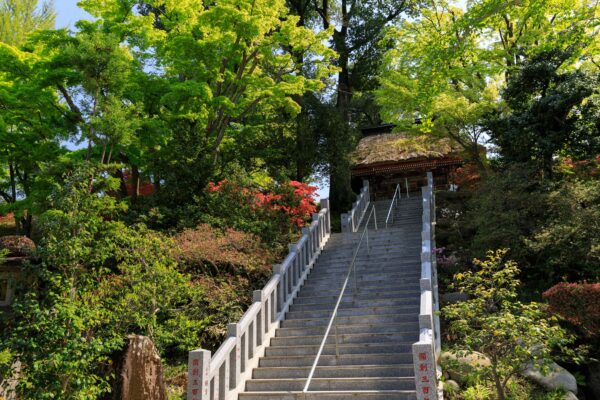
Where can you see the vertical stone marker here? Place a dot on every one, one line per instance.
(198, 370)
(142, 373)
(425, 371)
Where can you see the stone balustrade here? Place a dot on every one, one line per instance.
(352, 220)
(427, 350)
(221, 376)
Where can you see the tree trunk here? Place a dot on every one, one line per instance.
(26, 225)
(135, 184)
(123, 192)
(341, 195)
(498, 384)
(13, 184)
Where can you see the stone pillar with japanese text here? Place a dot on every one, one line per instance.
(199, 367)
(425, 371)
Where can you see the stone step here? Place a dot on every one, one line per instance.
(342, 264)
(327, 384)
(400, 265)
(371, 328)
(396, 256)
(347, 338)
(332, 395)
(357, 295)
(332, 349)
(364, 268)
(402, 276)
(365, 371)
(331, 360)
(345, 312)
(369, 287)
(403, 240)
(324, 282)
(348, 303)
(408, 318)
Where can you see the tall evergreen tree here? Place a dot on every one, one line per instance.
(358, 28)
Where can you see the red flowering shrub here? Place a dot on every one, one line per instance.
(467, 176)
(578, 303)
(274, 215)
(589, 167)
(7, 219)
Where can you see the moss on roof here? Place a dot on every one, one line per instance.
(398, 147)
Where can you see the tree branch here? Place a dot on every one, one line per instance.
(70, 102)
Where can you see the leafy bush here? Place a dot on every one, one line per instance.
(226, 267)
(17, 246)
(578, 303)
(494, 323)
(98, 281)
(213, 251)
(568, 241)
(504, 211)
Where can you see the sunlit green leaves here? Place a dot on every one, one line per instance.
(495, 323)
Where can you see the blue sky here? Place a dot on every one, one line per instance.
(68, 13)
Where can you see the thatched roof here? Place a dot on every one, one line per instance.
(397, 147)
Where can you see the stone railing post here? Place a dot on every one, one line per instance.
(235, 366)
(325, 205)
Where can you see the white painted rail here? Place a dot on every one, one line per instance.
(427, 350)
(351, 221)
(222, 375)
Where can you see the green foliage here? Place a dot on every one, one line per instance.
(568, 240)
(445, 68)
(552, 112)
(31, 126)
(478, 392)
(18, 18)
(436, 72)
(508, 219)
(99, 281)
(516, 389)
(494, 323)
(226, 73)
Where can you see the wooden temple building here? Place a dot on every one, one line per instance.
(386, 159)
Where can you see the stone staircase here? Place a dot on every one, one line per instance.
(368, 352)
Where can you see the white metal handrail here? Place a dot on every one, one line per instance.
(351, 269)
(395, 199)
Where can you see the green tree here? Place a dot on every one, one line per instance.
(493, 322)
(446, 68)
(568, 240)
(357, 26)
(550, 111)
(26, 140)
(31, 125)
(228, 73)
(18, 18)
(436, 79)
